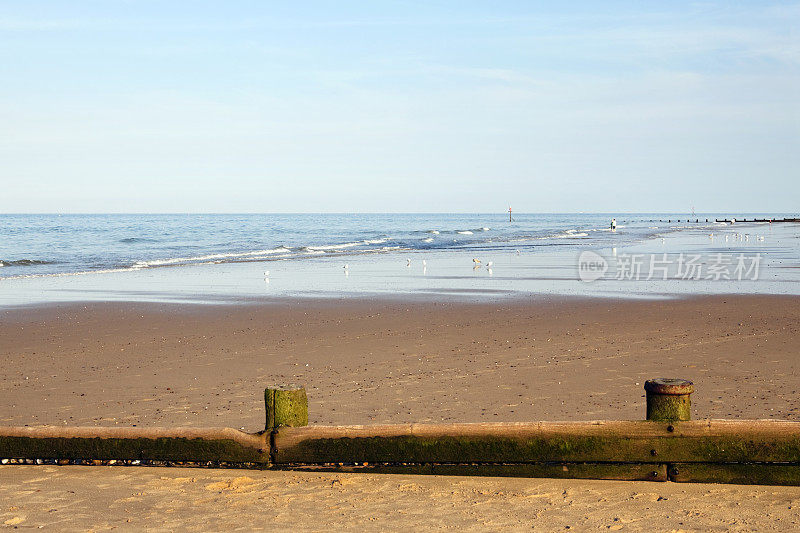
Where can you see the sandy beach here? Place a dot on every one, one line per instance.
(387, 361)
(444, 237)
(76, 498)
(391, 361)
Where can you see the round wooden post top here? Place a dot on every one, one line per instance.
(669, 386)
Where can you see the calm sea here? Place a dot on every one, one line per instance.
(48, 245)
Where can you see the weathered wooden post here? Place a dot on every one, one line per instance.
(669, 399)
(287, 405)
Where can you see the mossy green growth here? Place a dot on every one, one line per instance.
(155, 449)
(553, 448)
(450, 449)
(739, 473)
(286, 406)
(669, 407)
(617, 471)
(745, 449)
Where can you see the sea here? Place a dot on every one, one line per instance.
(104, 247)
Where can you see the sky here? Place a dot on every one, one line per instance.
(399, 106)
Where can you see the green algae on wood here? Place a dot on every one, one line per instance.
(612, 471)
(455, 449)
(641, 442)
(163, 444)
(668, 408)
(669, 399)
(738, 473)
(286, 406)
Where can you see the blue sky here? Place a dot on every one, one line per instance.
(152, 106)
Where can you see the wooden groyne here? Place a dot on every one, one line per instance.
(728, 220)
(770, 220)
(666, 447)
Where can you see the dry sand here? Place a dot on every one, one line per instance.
(388, 361)
(72, 498)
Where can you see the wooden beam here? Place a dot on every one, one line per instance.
(612, 471)
(736, 451)
(155, 444)
(743, 474)
(606, 441)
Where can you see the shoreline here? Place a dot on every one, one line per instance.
(725, 262)
(465, 298)
(512, 299)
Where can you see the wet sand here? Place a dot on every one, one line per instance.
(392, 361)
(373, 361)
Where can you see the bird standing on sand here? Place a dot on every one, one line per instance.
(476, 261)
(346, 266)
(266, 273)
(489, 264)
(424, 263)
(408, 264)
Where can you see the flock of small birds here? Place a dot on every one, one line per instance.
(476, 262)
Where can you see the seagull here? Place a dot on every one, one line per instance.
(346, 266)
(517, 252)
(409, 262)
(489, 265)
(424, 263)
(476, 261)
(266, 273)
